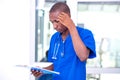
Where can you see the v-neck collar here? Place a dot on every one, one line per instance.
(60, 37)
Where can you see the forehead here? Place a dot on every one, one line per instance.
(54, 15)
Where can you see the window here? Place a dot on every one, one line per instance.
(100, 17)
(103, 19)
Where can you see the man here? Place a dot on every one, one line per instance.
(70, 46)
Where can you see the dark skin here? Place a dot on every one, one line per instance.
(63, 23)
(66, 26)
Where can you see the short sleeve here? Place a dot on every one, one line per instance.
(88, 39)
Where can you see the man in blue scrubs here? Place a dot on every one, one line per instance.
(70, 46)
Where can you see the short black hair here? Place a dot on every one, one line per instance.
(60, 6)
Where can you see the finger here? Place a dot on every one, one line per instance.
(36, 73)
(61, 18)
(63, 13)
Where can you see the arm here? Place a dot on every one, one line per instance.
(81, 50)
(49, 67)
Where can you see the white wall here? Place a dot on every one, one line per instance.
(16, 38)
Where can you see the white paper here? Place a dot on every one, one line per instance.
(38, 67)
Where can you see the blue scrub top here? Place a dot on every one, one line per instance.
(64, 58)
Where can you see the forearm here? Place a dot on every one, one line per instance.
(81, 50)
(49, 67)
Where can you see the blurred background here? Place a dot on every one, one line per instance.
(100, 16)
(25, 33)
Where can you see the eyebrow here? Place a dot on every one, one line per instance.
(54, 21)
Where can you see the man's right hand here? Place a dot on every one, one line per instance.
(36, 73)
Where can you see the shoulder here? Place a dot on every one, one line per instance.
(82, 30)
(55, 36)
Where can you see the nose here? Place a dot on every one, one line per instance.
(55, 25)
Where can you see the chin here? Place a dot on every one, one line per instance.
(59, 31)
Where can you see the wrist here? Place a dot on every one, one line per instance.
(72, 28)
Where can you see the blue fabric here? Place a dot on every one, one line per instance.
(45, 77)
(67, 62)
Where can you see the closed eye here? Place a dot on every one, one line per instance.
(56, 21)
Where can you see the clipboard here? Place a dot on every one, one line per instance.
(45, 71)
(39, 69)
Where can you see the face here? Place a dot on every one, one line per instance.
(56, 24)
